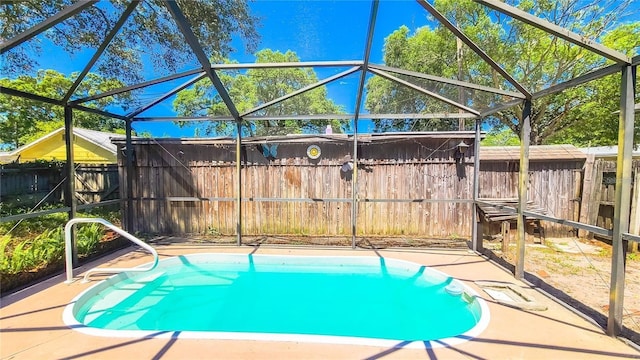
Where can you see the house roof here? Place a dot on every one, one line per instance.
(7, 157)
(98, 138)
(608, 151)
(536, 153)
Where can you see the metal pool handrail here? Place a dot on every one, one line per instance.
(69, 250)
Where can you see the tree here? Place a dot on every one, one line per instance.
(258, 86)
(426, 51)
(23, 120)
(150, 28)
(596, 121)
(500, 136)
(536, 59)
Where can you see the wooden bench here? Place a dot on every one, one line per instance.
(502, 211)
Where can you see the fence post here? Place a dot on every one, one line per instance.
(588, 189)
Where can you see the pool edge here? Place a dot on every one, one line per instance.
(70, 321)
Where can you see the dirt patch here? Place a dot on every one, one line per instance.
(579, 273)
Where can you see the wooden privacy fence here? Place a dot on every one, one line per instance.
(190, 187)
(27, 184)
(406, 185)
(97, 182)
(554, 186)
(599, 195)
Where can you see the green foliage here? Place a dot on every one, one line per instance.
(23, 120)
(37, 164)
(28, 227)
(32, 254)
(88, 236)
(150, 27)
(536, 59)
(258, 86)
(415, 52)
(501, 137)
(595, 122)
(5, 262)
(23, 251)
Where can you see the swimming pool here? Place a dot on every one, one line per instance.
(339, 299)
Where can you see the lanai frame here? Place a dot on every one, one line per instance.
(625, 65)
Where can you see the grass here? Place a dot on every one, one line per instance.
(566, 267)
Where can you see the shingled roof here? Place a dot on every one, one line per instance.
(536, 153)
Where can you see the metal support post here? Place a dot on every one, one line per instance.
(239, 183)
(354, 186)
(523, 186)
(356, 117)
(622, 207)
(71, 176)
(129, 166)
(476, 232)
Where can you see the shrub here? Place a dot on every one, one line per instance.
(32, 254)
(88, 237)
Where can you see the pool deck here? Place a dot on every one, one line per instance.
(31, 325)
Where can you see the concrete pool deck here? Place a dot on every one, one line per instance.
(31, 325)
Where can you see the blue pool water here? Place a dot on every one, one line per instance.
(354, 297)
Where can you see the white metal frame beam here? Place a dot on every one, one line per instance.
(310, 117)
(622, 207)
(465, 39)
(107, 40)
(556, 30)
(54, 20)
(168, 94)
(439, 79)
(582, 79)
(185, 27)
(302, 90)
(424, 91)
(281, 65)
(138, 86)
(354, 182)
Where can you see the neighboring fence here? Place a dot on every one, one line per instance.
(599, 195)
(97, 182)
(27, 184)
(406, 186)
(554, 187)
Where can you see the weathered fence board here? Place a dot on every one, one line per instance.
(601, 209)
(29, 185)
(406, 187)
(552, 186)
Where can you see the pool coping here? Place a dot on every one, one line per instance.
(70, 320)
(31, 324)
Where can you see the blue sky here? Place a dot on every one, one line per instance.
(315, 30)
